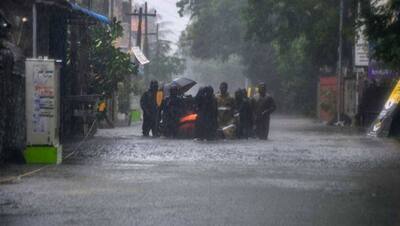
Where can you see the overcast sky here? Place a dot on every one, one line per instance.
(169, 13)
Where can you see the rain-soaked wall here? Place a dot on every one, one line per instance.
(12, 108)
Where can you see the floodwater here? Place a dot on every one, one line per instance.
(306, 174)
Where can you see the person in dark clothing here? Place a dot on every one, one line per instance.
(244, 115)
(199, 99)
(207, 114)
(263, 106)
(148, 103)
(172, 109)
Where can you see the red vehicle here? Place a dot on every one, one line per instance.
(187, 126)
(188, 120)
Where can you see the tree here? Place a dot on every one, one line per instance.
(305, 37)
(282, 42)
(284, 21)
(108, 64)
(216, 29)
(382, 29)
(164, 66)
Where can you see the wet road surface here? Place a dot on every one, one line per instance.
(306, 174)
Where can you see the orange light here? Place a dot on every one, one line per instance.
(159, 97)
(189, 118)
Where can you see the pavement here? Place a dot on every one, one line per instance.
(306, 174)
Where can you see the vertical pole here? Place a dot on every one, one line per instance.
(139, 31)
(130, 27)
(131, 81)
(146, 40)
(339, 66)
(157, 42)
(145, 44)
(111, 9)
(34, 35)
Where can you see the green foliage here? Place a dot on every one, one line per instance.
(213, 72)
(297, 78)
(282, 42)
(383, 26)
(216, 28)
(108, 64)
(217, 31)
(284, 21)
(305, 38)
(164, 66)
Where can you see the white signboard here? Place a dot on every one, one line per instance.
(361, 49)
(139, 55)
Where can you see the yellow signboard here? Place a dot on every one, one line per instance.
(395, 96)
(382, 124)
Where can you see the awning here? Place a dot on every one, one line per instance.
(101, 18)
(75, 8)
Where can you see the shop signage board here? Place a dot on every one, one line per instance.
(361, 53)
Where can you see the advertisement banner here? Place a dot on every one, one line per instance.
(381, 126)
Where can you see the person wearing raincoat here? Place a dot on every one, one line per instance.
(172, 109)
(148, 103)
(207, 113)
(225, 105)
(263, 106)
(243, 115)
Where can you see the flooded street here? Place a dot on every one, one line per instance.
(306, 174)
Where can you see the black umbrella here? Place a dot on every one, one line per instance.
(183, 85)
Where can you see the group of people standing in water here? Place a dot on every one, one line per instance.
(217, 116)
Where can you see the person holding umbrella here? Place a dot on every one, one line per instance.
(182, 84)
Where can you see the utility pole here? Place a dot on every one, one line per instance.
(130, 27)
(339, 65)
(146, 40)
(139, 32)
(157, 42)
